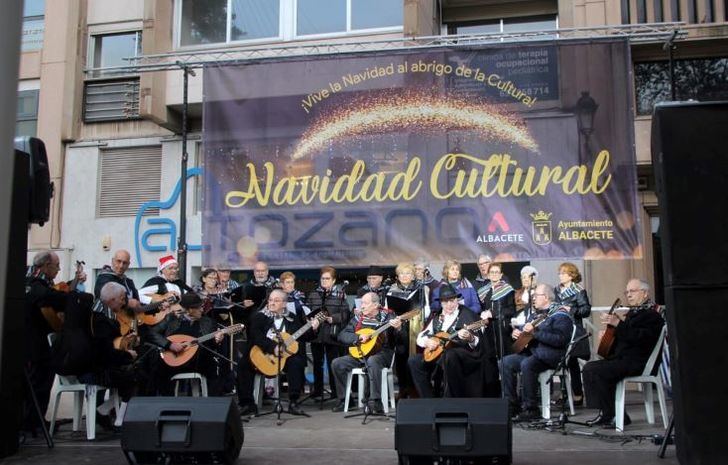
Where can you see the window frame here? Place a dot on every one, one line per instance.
(452, 27)
(91, 55)
(32, 116)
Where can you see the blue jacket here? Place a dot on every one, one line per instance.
(552, 338)
(467, 291)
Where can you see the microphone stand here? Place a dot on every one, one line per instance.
(278, 407)
(561, 367)
(501, 349)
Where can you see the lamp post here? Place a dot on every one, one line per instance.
(586, 108)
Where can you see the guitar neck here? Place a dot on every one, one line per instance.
(471, 327)
(207, 337)
(614, 306)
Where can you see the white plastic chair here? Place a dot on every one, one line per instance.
(543, 380)
(198, 383)
(646, 379)
(81, 393)
(387, 389)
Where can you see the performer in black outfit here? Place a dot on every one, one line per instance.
(330, 297)
(550, 341)
(39, 293)
(635, 338)
(571, 295)
(424, 278)
(372, 315)
(375, 278)
(498, 297)
(116, 273)
(167, 280)
(461, 364)
(265, 327)
(190, 322)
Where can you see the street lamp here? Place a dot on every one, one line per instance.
(586, 107)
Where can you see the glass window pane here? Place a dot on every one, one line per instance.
(26, 128)
(489, 27)
(33, 8)
(530, 24)
(110, 50)
(203, 22)
(369, 14)
(320, 16)
(28, 104)
(254, 19)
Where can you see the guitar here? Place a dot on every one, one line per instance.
(55, 319)
(520, 344)
(267, 364)
(157, 301)
(191, 345)
(374, 343)
(129, 336)
(444, 338)
(607, 340)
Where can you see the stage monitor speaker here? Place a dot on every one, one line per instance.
(182, 430)
(476, 429)
(690, 160)
(41, 187)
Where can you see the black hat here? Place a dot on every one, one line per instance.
(448, 292)
(190, 300)
(374, 270)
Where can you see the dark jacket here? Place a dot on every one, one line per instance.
(335, 304)
(39, 293)
(580, 308)
(551, 338)
(637, 334)
(348, 336)
(172, 324)
(105, 355)
(159, 281)
(107, 275)
(465, 317)
(263, 321)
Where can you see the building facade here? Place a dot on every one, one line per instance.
(113, 139)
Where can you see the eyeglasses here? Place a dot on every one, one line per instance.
(633, 291)
(538, 293)
(326, 278)
(275, 300)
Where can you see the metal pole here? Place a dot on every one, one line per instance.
(670, 47)
(182, 238)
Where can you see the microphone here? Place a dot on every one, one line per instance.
(387, 282)
(344, 283)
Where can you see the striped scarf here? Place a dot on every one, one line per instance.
(484, 290)
(570, 291)
(500, 290)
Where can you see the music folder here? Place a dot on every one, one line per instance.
(402, 303)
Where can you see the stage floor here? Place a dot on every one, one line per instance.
(329, 438)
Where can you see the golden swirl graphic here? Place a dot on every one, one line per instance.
(389, 113)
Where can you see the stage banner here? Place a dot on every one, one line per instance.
(520, 151)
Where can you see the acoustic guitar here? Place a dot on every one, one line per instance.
(374, 343)
(129, 336)
(157, 301)
(445, 340)
(55, 319)
(607, 340)
(191, 345)
(520, 344)
(267, 364)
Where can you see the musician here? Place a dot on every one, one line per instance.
(635, 337)
(120, 262)
(452, 275)
(482, 278)
(261, 279)
(331, 298)
(573, 296)
(498, 297)
(190, 322)
(523, 295)
(550, 340)
(226, 283)
(266, 327)
(39, 294)
(414, 295)
(166, 281)
(424, 277)
(371, 315)
(375, 278)
(210, 292)
(460, 364)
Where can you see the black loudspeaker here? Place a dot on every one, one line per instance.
(41, 187)
(473, 429)
(182, 430)
(690, 160)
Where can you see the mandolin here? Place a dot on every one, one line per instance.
(54, 318)
(191, 344)
(267, 364)
(607, 340)
(157, 301)
(520, 344)
(374, 343)
(129, 325)
(445, 339)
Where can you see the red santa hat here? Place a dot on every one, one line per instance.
(164, 262)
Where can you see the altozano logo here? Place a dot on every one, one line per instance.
(499, 232)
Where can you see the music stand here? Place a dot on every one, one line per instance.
(278, 407)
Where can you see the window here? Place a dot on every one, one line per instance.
(33, 25)
(225, 21)
(522, 24)
(703, 79)
(128, 177)
(27, 115)
(110, 50)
